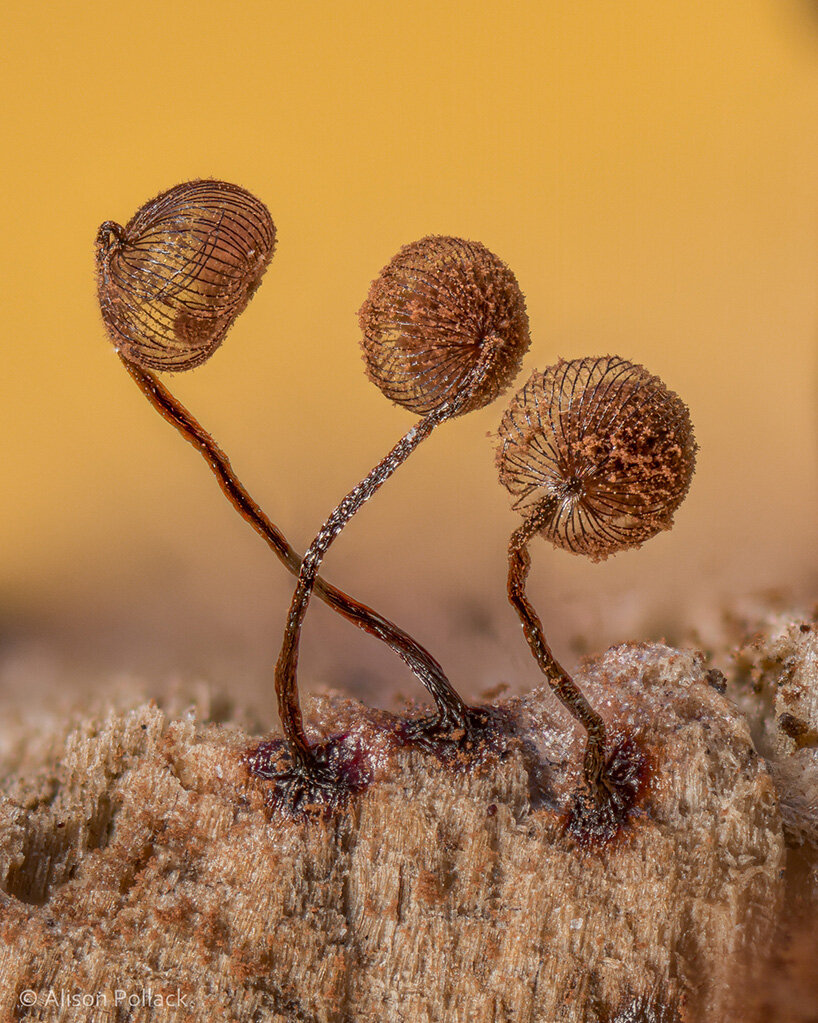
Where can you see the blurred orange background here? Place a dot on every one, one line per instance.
(648, 171)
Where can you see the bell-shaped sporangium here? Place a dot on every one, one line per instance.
(173, 280)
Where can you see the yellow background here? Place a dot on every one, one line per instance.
(650, 172)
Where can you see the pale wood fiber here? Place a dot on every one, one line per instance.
(145, 860)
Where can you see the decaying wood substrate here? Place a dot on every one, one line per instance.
(146, 864)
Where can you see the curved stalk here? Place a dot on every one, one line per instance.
(564, 687)
(452, 712)
(286, 667)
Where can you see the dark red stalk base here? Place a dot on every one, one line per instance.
(599, 814)
(344, 763)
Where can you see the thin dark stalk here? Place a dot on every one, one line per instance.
(286, 667)
(564, 687)
(452, 712)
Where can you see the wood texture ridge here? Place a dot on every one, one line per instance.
(145, 865)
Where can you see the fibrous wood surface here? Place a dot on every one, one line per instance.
(780, 669)
(145, 878)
